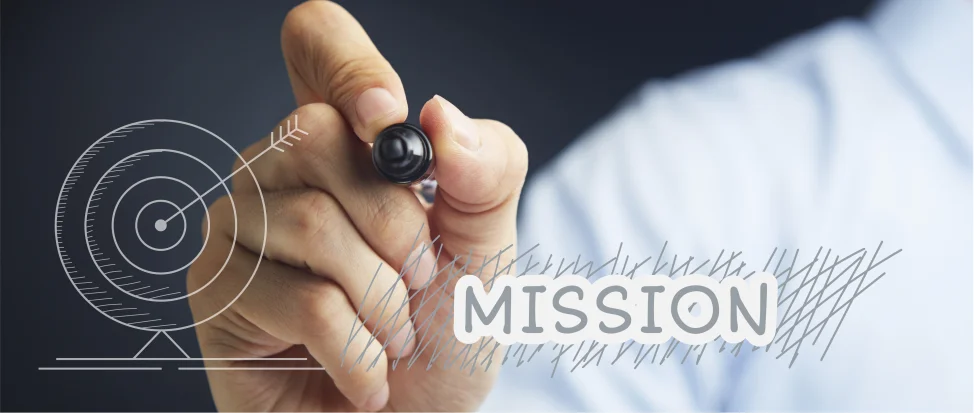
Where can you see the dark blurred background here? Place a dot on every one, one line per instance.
(73, 71)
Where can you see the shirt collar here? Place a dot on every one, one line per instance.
(932, 41)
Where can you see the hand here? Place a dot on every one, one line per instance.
(330, 221)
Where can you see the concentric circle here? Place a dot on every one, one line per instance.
(162, 225)
(179, 212)
(122, 217)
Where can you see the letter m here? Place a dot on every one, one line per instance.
(501, 299)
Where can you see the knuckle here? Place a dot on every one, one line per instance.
(362, 379)
(366, 381)
(385, 216)
(322, 303)
(314, 213)
(315, 117)
(308, 15)
(326, 317)
(326, 314)
(323, 125)
(292, 29)
(391, 320)
(347, 78)
(390, 216)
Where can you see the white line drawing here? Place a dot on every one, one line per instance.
(252, 368)
(136, 356)
(118, 286)
(182, 359)
(275, 144)
(160, 225)
(99, 368)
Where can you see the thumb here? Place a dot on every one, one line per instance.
(480, 170)
(330, 58)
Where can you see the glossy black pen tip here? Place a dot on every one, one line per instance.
(403, 154)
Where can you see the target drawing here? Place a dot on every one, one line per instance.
(128, 214)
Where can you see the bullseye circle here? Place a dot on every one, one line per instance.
(128, 277)
(139, 235)
(160, 225)
(206, 237)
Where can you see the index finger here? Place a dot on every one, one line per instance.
(331, 59)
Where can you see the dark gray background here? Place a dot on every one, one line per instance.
(73, 71)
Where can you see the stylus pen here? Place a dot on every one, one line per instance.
(403, 154)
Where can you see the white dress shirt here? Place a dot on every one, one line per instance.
(855, 133)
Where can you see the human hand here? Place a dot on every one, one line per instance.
(331, 220)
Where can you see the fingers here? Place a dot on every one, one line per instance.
(479, 163)
(390, 218)
(326, 138)
(308, 229)
(331, 59)
(298, 308)
(480, 170)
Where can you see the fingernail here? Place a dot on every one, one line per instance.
(464, 131)
(377, 401)
(421, 272)
(375, 104)
(403, 343)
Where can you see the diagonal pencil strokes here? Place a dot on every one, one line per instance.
(817, 289)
